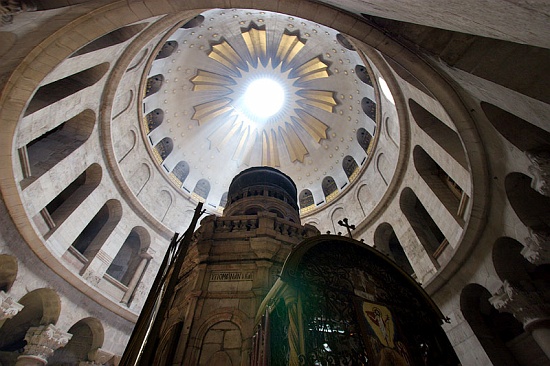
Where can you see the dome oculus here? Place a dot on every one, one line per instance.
(264, 97)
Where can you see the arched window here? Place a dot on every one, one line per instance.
(154, 83)
(363, 74)
(202, 189)
(46, 151)
(154, 119)
(223, 200)
(55, 91)
(306, 199)
(532, 208)
(350, 167)
(127, 260)
(115, 37)
(330, 190)
(91, 239)
(180, 172)
(442, 134)
(425, 228)
(492, 329)
(40, 307)
(364, 139)
(442, 185)
(386, 242)
(344, 42)
(167, 49)
(163, 149)
(87, 336)
(369, 108)
(195, 22)
(62, 206)
(522, 134)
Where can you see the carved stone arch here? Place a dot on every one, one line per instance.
(97, 231)
(140, 178)
(123, 103)
(41, 307)
(363, 198)
(491, 328)
(126, 144)
(531, 207)
(387, 242)
(382, 165)
(336, 214)
(8, 271)
(57, 90)
(113, 38)
(439, 132)
(235, 316)
(87, 336)
(128, 257)
(169, 344)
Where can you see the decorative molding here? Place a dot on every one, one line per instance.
(8, 307)
(43, 340)
(540, 168)
(537, 246)
(524, 305)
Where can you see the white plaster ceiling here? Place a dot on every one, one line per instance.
(219, 146)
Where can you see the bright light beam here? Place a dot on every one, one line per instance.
(264, 97)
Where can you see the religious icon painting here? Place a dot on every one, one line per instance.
(383, 345)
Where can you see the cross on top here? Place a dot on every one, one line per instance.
(345, 224)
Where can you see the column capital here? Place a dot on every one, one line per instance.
(147, 253)
(540, 169)
(42, 341)
(537, 246)
(8, 307)
(526, 305)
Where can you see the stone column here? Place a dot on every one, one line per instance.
(295, 329)
(145, 255)
(8, 307)
(529, 308)
(42, 341)
(540, 169)
(537, 249)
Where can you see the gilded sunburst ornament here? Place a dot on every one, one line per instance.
(292, 125)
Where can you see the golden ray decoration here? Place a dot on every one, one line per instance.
(227, 56)
(256, 42)
(212, 82)
(270, 151)
(208, 111)
(314, 127)
(294, 145)
(289, 46)
(321, 99)
(255, 141)
(313, 69)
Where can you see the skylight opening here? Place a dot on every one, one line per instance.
(264, 98)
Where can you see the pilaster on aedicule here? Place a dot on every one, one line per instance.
(525, 304)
